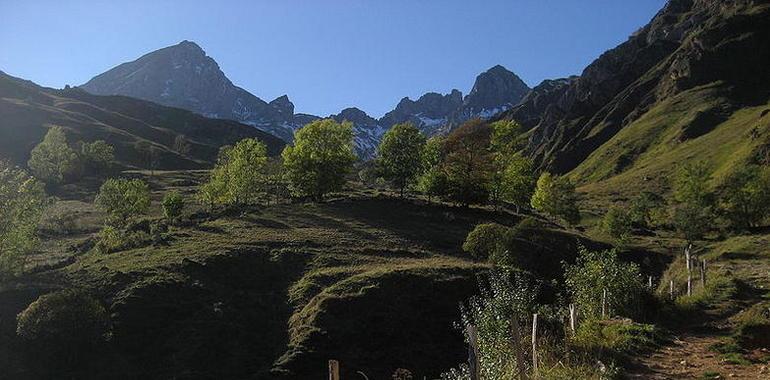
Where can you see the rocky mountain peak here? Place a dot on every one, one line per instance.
(355, 116)
(283, 105)
(494, 88)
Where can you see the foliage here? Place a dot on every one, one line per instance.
(746, 199)
(617, 223)
(433, 181)
(96, 156)
(320, 159)
(693, 210)
(556, 196)
(402, 374)
(22, 201)
(123, 199)
(53, 160)
(173, 204)
(518, 181)
(506, 295)
(485, 239)
(691, 221)
(507, 137)
(61, 326)
(598, 271)
(399, 155)
(643, 208)
(468, 162)
(240, 175)
(508, 167)
(617, 336)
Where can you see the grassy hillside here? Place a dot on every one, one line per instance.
(29, 110)
(696, 125)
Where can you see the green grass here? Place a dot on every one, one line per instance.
(617, 337)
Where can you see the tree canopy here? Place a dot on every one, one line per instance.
(399, 155)
(123, 199)
(321, 158)
(556, 196)
(52, 160)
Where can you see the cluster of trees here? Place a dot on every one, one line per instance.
(742, 202)
(54, 162)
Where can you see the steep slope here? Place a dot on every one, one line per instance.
(29, 110)
(688, 46)
(184, 76)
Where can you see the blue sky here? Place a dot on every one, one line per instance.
(325, 54)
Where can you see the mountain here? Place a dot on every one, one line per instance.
(428, 113)
(183, 76)
(691, 85)
(367, 131)
(29, 110)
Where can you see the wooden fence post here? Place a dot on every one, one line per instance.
(604, 303)
(473, 352)
(334, 370)
(671, 289)
(573, 318)
(516, 330)
(703, 273)
(649, 282)
(689, 284)
(534, 344)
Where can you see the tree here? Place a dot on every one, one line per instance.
(693, 210)
(746, 196)
(433, 180)
(321, 158)
(556, 196)
(643, 207)
(149, 154)
(399, 155)
(96, 156)
(22, 201)
(123, 200)
(52, 160)
(468, 162)
(617, 224)
(240, 175)
(518, 181)
(173, 205)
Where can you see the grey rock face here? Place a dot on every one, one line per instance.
(184, 76)
(367, 131)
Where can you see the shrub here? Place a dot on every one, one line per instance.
(643, 209)
(746, 197)
(123, 199)
(173, 205)
(62, 326)
(485, 240)
(96, 156)
(240, 175)
(598, 271)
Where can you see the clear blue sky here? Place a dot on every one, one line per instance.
(325, 54)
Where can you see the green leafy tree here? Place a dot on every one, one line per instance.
(53, 160)
(518, 181)
(694, 207)
(468, 162)
(746, 199)
(22, 202)
(123, 199)
(598, 271)
(617, 224)
(240, 176)
(433, 180)
(97, 156)
(556, 196)
(173, 205)
(644, 207)
(399, 155)
(321, 158)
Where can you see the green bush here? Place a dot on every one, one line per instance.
(53, 160)
(556, 196)
(173, 205)
(485, 240)
(617, 224)
(60, 327)
(598, 271)
(399, 155)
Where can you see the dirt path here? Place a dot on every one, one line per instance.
(690, 356)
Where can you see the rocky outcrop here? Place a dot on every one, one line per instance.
(367, 131)
(428, 113)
